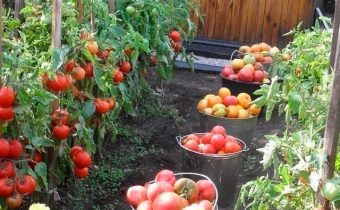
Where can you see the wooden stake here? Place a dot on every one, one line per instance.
(80, 9)
(111, 6)
(335, 32)
(332, 132)
(19, 4)
(56, 23)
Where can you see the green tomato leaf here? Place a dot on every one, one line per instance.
(294, 101)
(88, 109)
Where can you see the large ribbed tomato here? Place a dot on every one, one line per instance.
(206, 190)
(167, 201)
(136, 195)
(187, 189)
(166, 176)
(7, 169)
(6, 187)
(25, 185)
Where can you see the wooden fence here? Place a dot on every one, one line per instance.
(251, 21)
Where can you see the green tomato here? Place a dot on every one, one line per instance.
(130, 10)
(330, 191)
(154, 12)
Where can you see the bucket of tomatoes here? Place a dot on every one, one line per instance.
(217, 155)
(174, 191)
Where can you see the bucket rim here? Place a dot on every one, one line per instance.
(228, 118)
(244, 83)
(229, 155)
(215, 207)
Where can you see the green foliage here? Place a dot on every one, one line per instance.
(297, 156)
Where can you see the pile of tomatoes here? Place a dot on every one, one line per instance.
(13, 187)
(7, 98)
(215, 142)
(170, 193)
(82, 161)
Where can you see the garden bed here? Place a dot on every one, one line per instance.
(155, 132)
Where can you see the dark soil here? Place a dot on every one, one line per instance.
(184, 92)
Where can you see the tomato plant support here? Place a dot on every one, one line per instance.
(332, 132)
(335, 33)
(80, 9)
(19, 4)
(111, 6)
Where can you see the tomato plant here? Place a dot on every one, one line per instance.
(297, 156)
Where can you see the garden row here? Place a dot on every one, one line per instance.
(57, 103)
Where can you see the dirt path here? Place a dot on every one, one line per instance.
(183, 92)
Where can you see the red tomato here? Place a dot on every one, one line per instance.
(16, 149)
(7, 96)
(167, 201)
(81, 172)
(60, 116)
(192, 137)
(6, 187)
(166, 176)
(153, 60)
(26, 185)
(128, 51)
(60, 83)
(218, 130)
(7, 169)
(70, 65)
(192, 145)
(5, 148)
(175, 36)
(200, 147)
(218, 141)
(208, 149)
(231, 147)
(37, 158)
(125, 67)
(75, 150)
(61, 132)
(207, 205)
(206, 138)
(145, 205)
(6, 114)
(118, 76)
(176, 46)
(136, 195)
(229, 138)
(111, 102)
(78, 73)
(92, 47)
(187, 188)
(102, 106)
(157, 188)
(106, 54)
(88, 70)
(14, 201)
(206, 190)
(82, 159)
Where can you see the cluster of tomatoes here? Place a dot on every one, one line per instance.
(175, 37)
(82, 161)
(215, 142)
(12, 186)
(59, 120)
(7, 98)
(104, 105)
(170, 193)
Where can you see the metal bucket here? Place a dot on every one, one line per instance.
(239, 128)
(222, 169)
(195, 177)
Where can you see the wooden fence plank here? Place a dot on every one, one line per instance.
(267, 26)
(226, 26)
(260, 20)
(251, 21)
(276, 20)
(203, 25)
(244, 12)
(211, 16)
(217, 32)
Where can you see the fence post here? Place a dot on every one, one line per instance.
(80, 9)
(19, 4)
(1, 31)
(335, 32)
